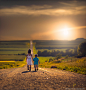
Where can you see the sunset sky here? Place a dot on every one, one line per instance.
(42, 19)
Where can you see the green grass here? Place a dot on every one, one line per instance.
(8, 51)
(34, 49)
(11, 57)
(43, 59)
(5, 65)
(58, 43)
(13, 46)
(64, 50)
(78, 65)
(13, 50)
(71, 64)
(69, 59)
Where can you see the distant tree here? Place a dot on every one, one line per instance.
(58, 56)
(82, 49)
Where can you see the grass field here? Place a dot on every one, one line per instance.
(57, 44)
(43, 59)
(78, 65)
(5, 65)
(6, 61)
(11, 57)
(13, 50)
(64, 50)
(72, 64)
(10, 53)
(34, 49)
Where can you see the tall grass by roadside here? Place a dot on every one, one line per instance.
(45, 59)
(34, 49)
(5, 65)
(78, 66)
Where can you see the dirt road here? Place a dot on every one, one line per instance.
(44, 79)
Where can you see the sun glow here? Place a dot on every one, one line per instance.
(65, 31)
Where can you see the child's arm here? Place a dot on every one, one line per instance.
(26, 59)
(33, 60)
(39, 62)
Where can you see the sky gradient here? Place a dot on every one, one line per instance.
(42, 19)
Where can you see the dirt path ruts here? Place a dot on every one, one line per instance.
(44, 79)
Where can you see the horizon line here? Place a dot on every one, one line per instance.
(42, 39)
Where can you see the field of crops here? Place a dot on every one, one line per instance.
(13, 50)
(13, 53)
(57, 44)
(12, 57)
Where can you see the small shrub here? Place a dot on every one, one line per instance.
(56, 61)
(50, 59)
(11, 65)
(17, 65)
(53, 66)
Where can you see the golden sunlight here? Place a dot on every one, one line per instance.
(65, 31)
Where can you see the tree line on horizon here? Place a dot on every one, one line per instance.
(79, 51)
(54, 52)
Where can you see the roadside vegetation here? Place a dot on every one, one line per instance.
(74, 65)
(12, 64)
(72, 59)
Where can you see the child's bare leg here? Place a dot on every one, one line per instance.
(30, 67)
(37, 67)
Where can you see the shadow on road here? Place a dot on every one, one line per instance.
(25, 71)
(28, 71)
(33, 71)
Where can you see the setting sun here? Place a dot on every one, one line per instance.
(65, 31)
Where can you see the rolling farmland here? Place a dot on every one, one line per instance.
(13, 53)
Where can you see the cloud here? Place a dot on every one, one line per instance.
(42, 10)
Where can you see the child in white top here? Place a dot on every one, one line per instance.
(29, 60)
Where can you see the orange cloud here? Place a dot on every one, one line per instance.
(42, 10)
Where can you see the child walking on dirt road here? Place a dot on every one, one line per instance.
(36, 60)
(29, 60)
